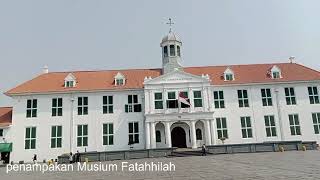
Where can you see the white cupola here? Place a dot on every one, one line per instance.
(171, 52)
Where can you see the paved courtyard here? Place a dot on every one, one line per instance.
(275, 165)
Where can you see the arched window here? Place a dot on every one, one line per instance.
(158, 136)
(199, 134)
(178, 51)
(165, 51)
(172, 50)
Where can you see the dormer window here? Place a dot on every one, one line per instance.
(276, 72)
(119, 79)
(70, 81)
(275, 75)
(119, 82)
(69, 84)
(228, 75)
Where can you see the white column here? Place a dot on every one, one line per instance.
(147, 132)
(168, 134)
(213, 132)
(153, 135)
(193, 134)
(190, 93)
(208, 133)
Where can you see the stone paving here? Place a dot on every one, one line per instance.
(275, 165)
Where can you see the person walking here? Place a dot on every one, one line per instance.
(34, 159)
(204, 151)
(77, 156)
(71, 158)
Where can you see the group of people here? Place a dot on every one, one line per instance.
(74, 158)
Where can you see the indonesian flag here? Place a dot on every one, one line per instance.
(183, 99)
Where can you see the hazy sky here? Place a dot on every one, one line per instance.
(100, 34)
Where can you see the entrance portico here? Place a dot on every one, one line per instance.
(179, 130)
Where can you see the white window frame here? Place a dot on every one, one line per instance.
(268, 118)
(314, 95)
(219, 100)
(246, 128)
(57, 108)
(70, 81)
(56, 137)
(83, 106)
(30, 137)
(131, 105)
(158, 100)
(197, 98)
(33, 109)
(294, 125)
(291, 96)
(133, 133)
(265, 97)
(107, 105)
(242, 99)
(108, 135)
(172, 99)
(223, 130)
(69, 84)
(82, 135)
(316, 122)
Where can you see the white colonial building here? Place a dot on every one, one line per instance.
(62, 112)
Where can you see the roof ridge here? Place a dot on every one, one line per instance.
(137, 69)
(102, 70)
(307, 67)
(239, 65)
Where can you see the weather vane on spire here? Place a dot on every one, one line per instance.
(170, 24)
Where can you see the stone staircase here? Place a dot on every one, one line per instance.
(184, 152)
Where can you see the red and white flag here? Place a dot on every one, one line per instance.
(183, 99)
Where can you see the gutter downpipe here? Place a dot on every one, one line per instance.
(71, 121)
(276, 90)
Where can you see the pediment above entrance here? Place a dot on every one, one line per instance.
(177, 76)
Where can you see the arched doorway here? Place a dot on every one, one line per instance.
(178, 137)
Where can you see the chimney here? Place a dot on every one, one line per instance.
(291, 58)
(45, 70)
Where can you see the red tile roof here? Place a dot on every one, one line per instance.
(104, 80)
(5, 116)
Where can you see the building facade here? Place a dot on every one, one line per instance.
(173, 106)
(5, 134)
